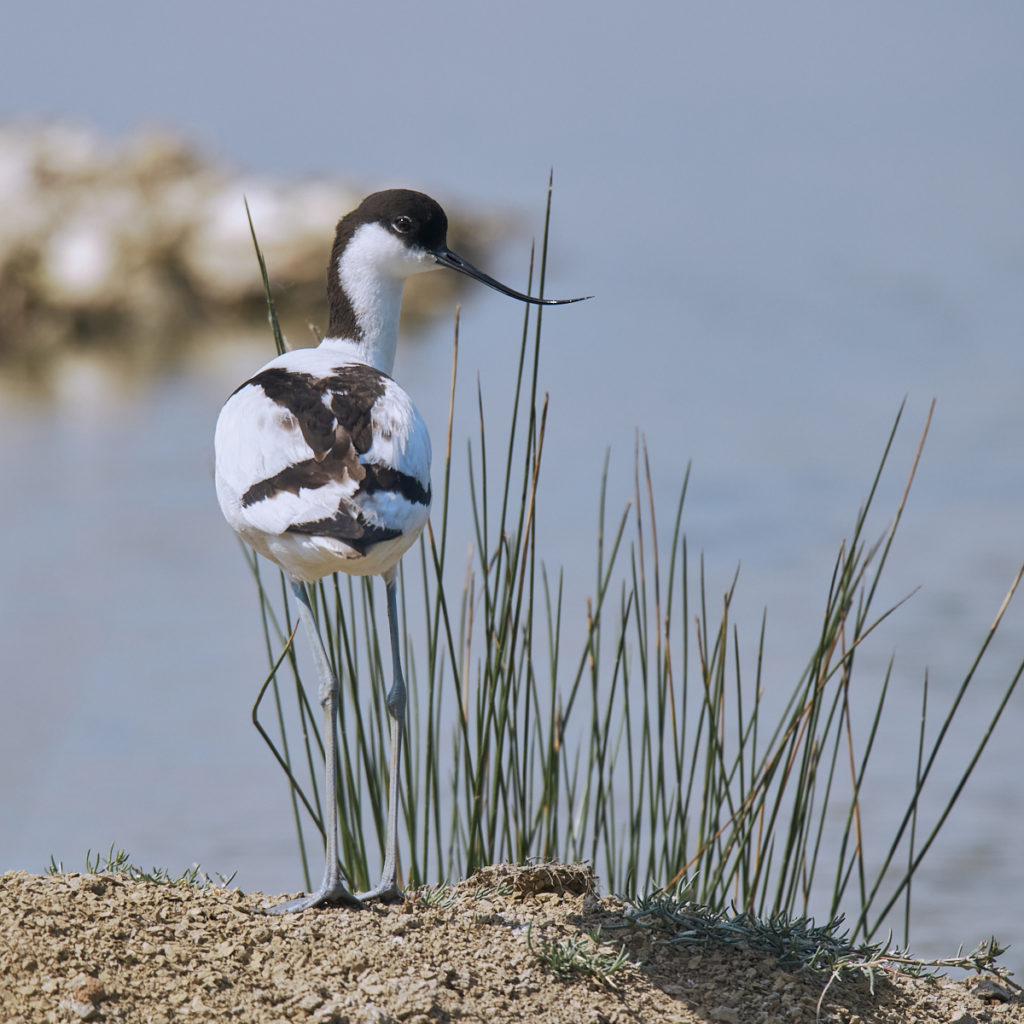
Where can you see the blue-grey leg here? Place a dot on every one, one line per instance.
(387, 888)
(332, 888)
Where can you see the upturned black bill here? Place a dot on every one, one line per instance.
(447, 258)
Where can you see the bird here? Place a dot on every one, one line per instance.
(322, 465)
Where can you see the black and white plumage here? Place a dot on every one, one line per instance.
(323, 462)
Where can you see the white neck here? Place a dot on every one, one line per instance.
(377, 304)
(366, 293)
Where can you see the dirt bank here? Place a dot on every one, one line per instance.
(104, 948)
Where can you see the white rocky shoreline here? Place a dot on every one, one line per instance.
(104, 239)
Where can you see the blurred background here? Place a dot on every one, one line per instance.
(793, 216)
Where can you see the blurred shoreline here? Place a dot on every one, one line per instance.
(128, 244)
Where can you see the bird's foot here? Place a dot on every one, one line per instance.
(326, 895)
(386, 890)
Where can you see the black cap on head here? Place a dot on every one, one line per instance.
(411, 215)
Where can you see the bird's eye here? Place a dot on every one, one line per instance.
(402, 224)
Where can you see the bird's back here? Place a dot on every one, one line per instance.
(323, 464)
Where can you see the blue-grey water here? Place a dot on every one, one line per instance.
(792, 217)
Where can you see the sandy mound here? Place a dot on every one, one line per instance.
(105, 948)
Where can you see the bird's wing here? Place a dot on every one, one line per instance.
(341, 455)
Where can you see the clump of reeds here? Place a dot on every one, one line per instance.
(635, 737)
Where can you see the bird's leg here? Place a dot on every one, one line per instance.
(332, 888)
(387, 888)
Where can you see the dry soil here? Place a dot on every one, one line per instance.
(106, 948)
